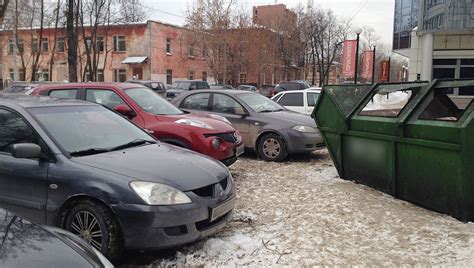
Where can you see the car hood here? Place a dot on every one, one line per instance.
(292, 118)
(162, 163)
(217, 125)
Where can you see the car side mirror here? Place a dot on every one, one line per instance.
(240, 111)
(125, 110)
(26, 150)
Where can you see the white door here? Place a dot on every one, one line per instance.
(293, 101)
(312, 98)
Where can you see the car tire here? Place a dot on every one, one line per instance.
(96, 217)
(271, 147)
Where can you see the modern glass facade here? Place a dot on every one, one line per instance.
(447, 15)
(406, 18)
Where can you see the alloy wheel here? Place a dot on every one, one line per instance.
(86, 226)
(271, 148)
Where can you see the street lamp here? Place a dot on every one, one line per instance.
(358, 31)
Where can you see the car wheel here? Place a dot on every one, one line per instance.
(272, 148)
(96, 224)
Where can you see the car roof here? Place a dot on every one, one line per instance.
(116, 85)
(227, 91)
(301, 90)
(143, 81)
(26, 101)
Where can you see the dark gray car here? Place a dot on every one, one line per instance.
(265, 126)
(84, 168)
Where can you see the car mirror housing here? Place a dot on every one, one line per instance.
(240, 111)
(26, 150)
(125, 110)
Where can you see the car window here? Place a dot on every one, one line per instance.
(153, 85)
(225, 104)
(63, 93)
(13, 129)
(203, 85)
(291, 99)
(312, 99)
(196, 101)
(105, 97)
(151, 102)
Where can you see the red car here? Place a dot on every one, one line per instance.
(211, 135)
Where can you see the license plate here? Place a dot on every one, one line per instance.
(222, 209)
(240, 150)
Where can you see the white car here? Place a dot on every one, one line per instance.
(301, 101)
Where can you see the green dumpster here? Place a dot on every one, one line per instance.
(414, 141)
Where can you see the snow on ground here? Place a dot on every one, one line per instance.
(300, 213)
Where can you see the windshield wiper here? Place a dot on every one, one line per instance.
(133, 143)
(89, 151)
(271, 111)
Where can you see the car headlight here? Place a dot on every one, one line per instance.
(159, 194)
(220, 118)
(305, 129)
(194, 123)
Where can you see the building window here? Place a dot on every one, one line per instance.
(191, 75)
(100, 44)
(60, 44)
(34, 45)
(204, 76)
(100, 75)
(119, 43)
(12, 73)
(45, 74)
(44, 45)
(20, 45)
(203, 52)
(243, 78)
(191, 51)
(120, 75)
(11, 44)
(168, 46)
(169, 77)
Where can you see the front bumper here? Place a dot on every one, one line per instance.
(156, 227)
(300, 142)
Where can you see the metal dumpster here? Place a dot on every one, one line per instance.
(414, 141)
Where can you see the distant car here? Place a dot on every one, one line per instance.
(292, 85)
(25, 244)
(156, 86)
(247, 88)
(211, 135)
(220, 86)
(267, 90)
(265, 126)
(179, 87)
(301, 101)
(81, 167)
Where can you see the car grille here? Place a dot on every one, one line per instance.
(210, 190)
(229, 137)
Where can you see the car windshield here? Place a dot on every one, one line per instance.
(181, 85)
(259, 103)
(90, 128)
(151, 102)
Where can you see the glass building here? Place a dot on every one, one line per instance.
(406, 18)
(447, 15)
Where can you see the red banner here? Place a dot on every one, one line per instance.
(367, 64)
(384, 71)
(349, 57)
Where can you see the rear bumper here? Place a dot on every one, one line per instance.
(156, 227)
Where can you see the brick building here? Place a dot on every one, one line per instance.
(151, 50)
(274, 16)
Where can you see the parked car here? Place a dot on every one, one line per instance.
(267, 90)
(301, 101)
(220, 86)
(265, 126)
(81, 167)
(292, 85)
(156, 86)
(211, 135)
(247, 88)
(179, 87)
(25, 244)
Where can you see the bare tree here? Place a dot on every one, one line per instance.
(131, 11)
(72, 37)
(3, 9)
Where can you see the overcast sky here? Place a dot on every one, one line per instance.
(375, 13)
